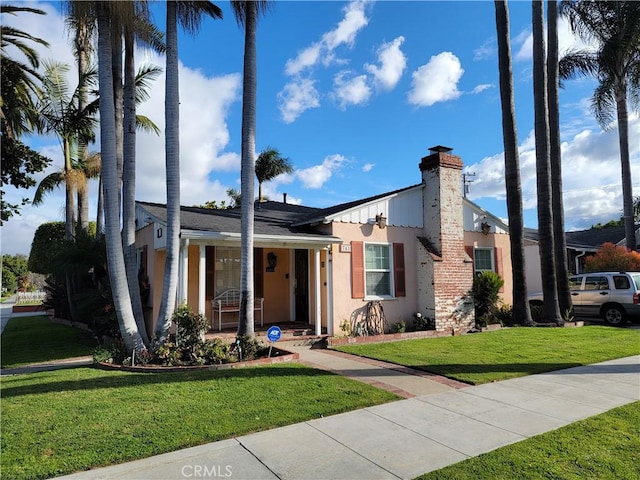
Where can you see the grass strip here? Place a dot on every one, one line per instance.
(58, 422)
(507, 353)
(37, 339)
(603, 447)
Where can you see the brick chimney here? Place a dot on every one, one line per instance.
(446, 274)
(442, 197)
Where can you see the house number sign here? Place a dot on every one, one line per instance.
(345, 248)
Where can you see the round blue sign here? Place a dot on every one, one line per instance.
(274, 333)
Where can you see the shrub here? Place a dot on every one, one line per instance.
(536, 312)
(420, 322)
(611, 258)
(190, 326)
(399, 327)
(504, 315)
(485, 292)
(109, 354)
(247, 348)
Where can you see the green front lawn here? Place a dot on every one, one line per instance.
(604, 447)
(63, 421)
(38, 339)
(507, 353)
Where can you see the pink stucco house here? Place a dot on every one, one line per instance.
(413, 250)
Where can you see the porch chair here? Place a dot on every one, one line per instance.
(229, 302)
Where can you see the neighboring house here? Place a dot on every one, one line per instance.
(414, 250)
(580, 245)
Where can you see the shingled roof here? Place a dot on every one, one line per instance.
(271, 218)
(590, 239)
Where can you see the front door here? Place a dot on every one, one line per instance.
(301, 286)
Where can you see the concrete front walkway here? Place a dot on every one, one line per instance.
(401, 439)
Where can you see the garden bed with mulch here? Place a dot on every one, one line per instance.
(277, 356)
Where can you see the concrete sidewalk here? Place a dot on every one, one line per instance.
(401, 439)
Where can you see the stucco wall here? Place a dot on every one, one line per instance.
(277, 303)
(345, 307)
(501, 242)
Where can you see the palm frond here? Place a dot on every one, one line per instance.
(190, 13)
(145, 124)
(47, 185)
(146, 74)
(578, 62)
(603, 103)
(148, 34)
(239, 9)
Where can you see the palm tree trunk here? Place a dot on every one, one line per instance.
(115, 258)
(249, 91)
(172, 154)
(129, 184)
(100, 209)
(625, 164)
(70, 219)
(551, 311)
(521, 310)
(82, 52)
(116, 45)
(559, 237)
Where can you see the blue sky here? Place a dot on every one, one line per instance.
(354, 93)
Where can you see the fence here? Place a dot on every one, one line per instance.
(23, 298)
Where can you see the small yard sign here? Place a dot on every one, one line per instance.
(274, 333)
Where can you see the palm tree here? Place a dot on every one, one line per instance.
(19, 87)
(614, 29)
(247, 13)
(551, 311)
(512, 166)
(189, 14)
(115, 258)
(60, 112)
(80, 19)
(135, 90)
(268, 166)
(555, 156)
(19, 80)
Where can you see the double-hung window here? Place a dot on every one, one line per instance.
(483, 260)
(378, 270)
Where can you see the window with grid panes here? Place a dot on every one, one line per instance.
(377, 265)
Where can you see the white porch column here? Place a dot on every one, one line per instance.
(202, 279)
(318, 315)
(329, 292)
(184, 284)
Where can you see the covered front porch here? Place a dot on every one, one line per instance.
(291, 283)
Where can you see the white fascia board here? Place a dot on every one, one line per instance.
(272, 241)
(495, 219)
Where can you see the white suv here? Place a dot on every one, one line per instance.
(614, 296)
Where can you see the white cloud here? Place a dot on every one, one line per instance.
(306, 58)
(204, 135)
(566, 41)
(367, 167)
(300, 94)
(590, 171)
(297, 96)
(354, 20)
(437, 81)
(487, 50)
(204, 107)
(315, 177)
(350, 91)
(393, 63)
(481, 88)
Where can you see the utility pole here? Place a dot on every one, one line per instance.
(466, 181)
